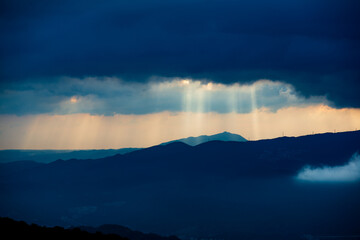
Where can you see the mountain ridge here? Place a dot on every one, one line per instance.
(104, 153)
(224, 136)
(47, 156)
(177, 189)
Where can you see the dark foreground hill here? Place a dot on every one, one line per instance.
(215, 190)
(20, 230)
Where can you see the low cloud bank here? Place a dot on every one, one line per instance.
(110, 96)
(349, 172)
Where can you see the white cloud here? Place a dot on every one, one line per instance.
(346, 173)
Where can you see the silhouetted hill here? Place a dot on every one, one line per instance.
(20, 230)
(223, 190)
(47, 156)
(225, 136)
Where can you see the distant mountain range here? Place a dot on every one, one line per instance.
(47, 156)
(225, 136)
(215, 190)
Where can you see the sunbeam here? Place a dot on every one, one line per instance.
(254, 112)
(85, 131)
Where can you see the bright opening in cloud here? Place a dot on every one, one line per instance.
(346, 173)
(74, 99)
(185, 82)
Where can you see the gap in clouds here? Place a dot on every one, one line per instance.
(349, 172)
(86, 131)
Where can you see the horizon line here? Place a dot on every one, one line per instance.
(106, 149)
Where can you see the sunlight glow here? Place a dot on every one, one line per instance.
(85, 131)
(74, 99)
(185, 82)
(254, 107)
(159, 111)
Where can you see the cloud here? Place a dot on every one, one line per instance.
(312, 45)
(346, 173)
(109, 96)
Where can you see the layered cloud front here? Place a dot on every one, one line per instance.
(109, 96)
(349, 172)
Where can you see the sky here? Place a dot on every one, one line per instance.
(95, 74)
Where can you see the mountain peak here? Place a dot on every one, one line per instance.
(225, 132)
(224, 136)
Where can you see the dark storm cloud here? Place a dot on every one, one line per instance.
(314, 45)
